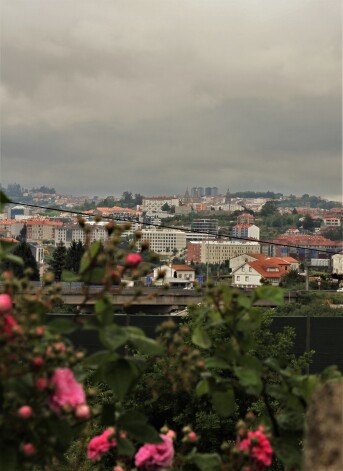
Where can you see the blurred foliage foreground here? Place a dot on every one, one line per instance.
(219, 392)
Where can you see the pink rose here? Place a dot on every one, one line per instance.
(259, 448)
(10, 325)
(41, 384)
(154, 457)
(25, 412)
(133, 259)
(68, 392)
(192, 436)
(5, 303)
(38, 362)
(40, 330)
(28, 449)
(101, 444)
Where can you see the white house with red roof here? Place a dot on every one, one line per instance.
(250, 273)
(177, 276)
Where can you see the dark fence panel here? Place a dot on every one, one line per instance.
(324, 335)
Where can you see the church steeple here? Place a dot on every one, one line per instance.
(228, 197)
(186, 198)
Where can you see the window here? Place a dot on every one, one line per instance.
(246, 278)
(238, 278)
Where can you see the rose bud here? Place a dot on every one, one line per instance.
(38, 362)
(133, 260)
(5, 303)
(25, 412)
(82, 411)
(28, 449)
(41, 384)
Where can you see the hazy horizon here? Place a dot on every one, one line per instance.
(152, 97)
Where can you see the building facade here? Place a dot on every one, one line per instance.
(218, 251)
(155, 203)
(166, 241)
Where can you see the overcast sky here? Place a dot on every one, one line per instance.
(99, 97)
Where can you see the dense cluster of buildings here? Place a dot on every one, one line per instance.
(203, 241)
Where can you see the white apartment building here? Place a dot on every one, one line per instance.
(246, 231)
(164, 241)
(155, 203)
(219, 251)
(331, 222)
(337, 264)
(68, 234)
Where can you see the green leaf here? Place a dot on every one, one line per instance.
(6, 246)
(125, 447)
(3, 200)
(108, 414)
(202, 388)
(145, 345)
(277, 391)
(291, 420)
(14, 259)
(216, 362)
(136, 425)
(8, 459)
(96, 359)
(113, 336)
(252, 363)
(206, 461)
(104, 310)
(250, 379)
(269, 293)
(287, 449)
(120, 375)
(70, 276)
(201, 338)
(224, 402)
(135, 331)
(64, 432)
(89, 256)
(62, 326)
(94, 276)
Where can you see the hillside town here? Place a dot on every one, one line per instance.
(250, 238)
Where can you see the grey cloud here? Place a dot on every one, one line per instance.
(155, 96)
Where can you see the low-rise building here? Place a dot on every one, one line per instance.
(205, 225)
(331, 222)
(177, 276)
(337, 264)
(155, 203)
(246, 231)
(253, 273)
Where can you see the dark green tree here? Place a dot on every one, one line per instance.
(292, 279)
(126, 197)
(23, 251)
(308, 223)
(138, 198)
(334, 233)
(269, 208)
(73, 256)
(165, 207)
(58, 260)
(23, 234)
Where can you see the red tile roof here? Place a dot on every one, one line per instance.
(182, 268)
